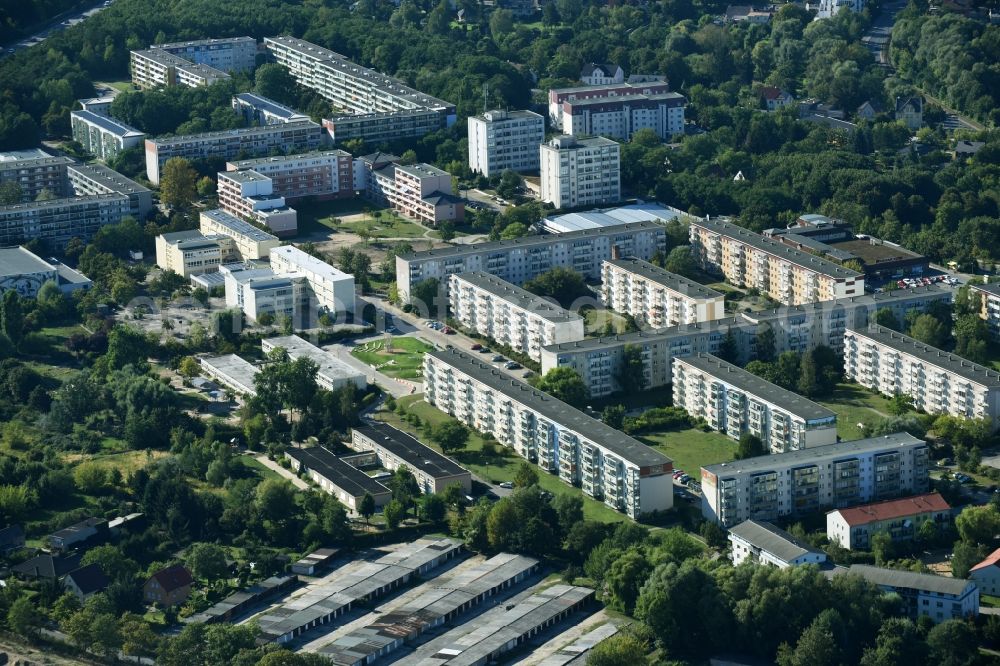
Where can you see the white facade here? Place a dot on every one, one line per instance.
(501, 140)
(830, 8)
(153, 68)
(764, 543)
(986, 574)
(22, 271)
(510, 315)
(333, 373)
(605, 74)
(102, 136)
(657, 296)
(807, 480)
(250, 243)
(333, 289)
(229, 54)
(734, 401)
(580, 172)
(607, 464)
(939, 382)
(989, 311)
(940, 598)
(853, 527)
(190, 253)
(59, 220)
(327, 174)
(259, 291)
(96, 178)
(621, 117)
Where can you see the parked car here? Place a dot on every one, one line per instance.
(497, 358)
(512, 365)
(484, 350)
(506, 484)
(476, 347)
(448, 331)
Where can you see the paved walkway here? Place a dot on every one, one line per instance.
(281, 471)
(395, 387)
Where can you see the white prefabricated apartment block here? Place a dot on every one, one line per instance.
(332, 288)
(58, 220)
(580, 172)
(657, 296)
(559, 96)
(500, 140)
(511, 316)
(418, 191)
(765, 543)
(333, 373)
(33, 171)
(91, 179)
(192, 252)
(734, 401)
(249, 195)
(939, 382)
(606, 463)
(228, 54)
(809, 480)
(154, 68)
(102, 136)
(621, 117)
(325, 174)
(259, 291)
(259, 110)
(519, 260)
(787, 275)
(250, 242)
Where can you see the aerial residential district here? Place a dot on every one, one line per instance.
(535, 332)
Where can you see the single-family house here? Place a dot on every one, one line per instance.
(11, 539)
(775, 98)
(86, 581)
(168, 587)
(910, 110)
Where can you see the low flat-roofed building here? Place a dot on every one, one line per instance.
(765, 543)
(59, 220)
(333, 373)
(318, 559)
(610, 217)
(231, 371)
(657, 296)
(102, 136)
(25, 272)
(85, 531)
(87, 179)
(332, 288)
(938, 597)
(853, 527)
(250, 242)
(189, 253)
(509, 315)
(345, 482)
(259, 110)
(734, 401)
(434, 471)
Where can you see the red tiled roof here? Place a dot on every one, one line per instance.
(770, 92)
(898, 508)
(991, 559)
(173, 577)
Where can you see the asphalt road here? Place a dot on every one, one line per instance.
(58, 23)
(877, 38)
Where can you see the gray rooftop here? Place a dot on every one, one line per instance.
(609, 86)
(108, 177)
(414, 453)
(673, 99)
(237, 225)
(813, 455)
(947, 361)
(502, 115)
(239, 165)
(30, 159)
(557, 411)
(421, 170)
(348, 478)
(231, 368)
(244, 176)
(64, 202)
(650, 336)
(330, 366)
(241, 132)
(990, 288)
(533, 241)
(522, 298)
(783, 399)
(204, 42)
(772, 539)
(19, 261)
(777, 249)
(911, 580)
(664, 278)
(162, 57)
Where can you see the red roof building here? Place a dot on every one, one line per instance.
(853, 527)
(986, 574)
(168, 587)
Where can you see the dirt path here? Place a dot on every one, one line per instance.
(16, 650)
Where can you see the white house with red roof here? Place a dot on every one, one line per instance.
(775, 98)
(853, 527)
(986, 574)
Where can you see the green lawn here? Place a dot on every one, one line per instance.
(389, 225)
(855, 404)
(596, 320)
(692, 449)
(404, 361)
(380, 222)
(497, 468)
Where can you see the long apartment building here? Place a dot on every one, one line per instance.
(657, 296)
(500, 140)
(797, 329)
(786, 274)
(155, 68)
(333, 289)
(433, 471)
(621, 117)
(101, 136)
(989, 304)
(559, 96)
(940, 598)
(511, 316)
(734, 401)
(939, 382)
(853, 527)
(606, 463)
(34, 170)
(249, 195)
(519, 260)
(93, 179)
(228, 54)
(383, 108)
(292, 137)
(250, 243)
(812, 479)
(259, 110)
(580, 172)
(419, 191)
(56, 221)
(326, 174)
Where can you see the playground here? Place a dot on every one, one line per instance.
(402, 358)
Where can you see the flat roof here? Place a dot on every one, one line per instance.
(777, 249)
(949, 362)
(107, 124)
(911, 580)
(65, 201)
(597, 101)
(533, 241)
(522, 298)
(772, 539)
(422, 170)
(348, 478)
(307, 262)
(812, 455)
(607, 86)
(202, 69)
(108, 177)
(571, 418)
(238, 132)
(413, 452)
(665, 278)
(239, 165)
(26, 155)
(761, 388)
(500, 115)
(244, 176)
(204, 42)
(237, 225)
(232, 368)
(20, 261)
(567, 142)
(330, 366)
(874, 253)
(638, 337)
(606, 217)
(989, 288)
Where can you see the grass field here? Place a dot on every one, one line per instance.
(405, 361)
(495, 468)
(596, 320)
(125, 462)
(692, 449)
(854, 404)
(380, 223)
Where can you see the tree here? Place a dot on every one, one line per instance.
(178, 183)
(510, 184)
(425, 296)
(965, 556)
(682, 605)
(512, 231)
(12, 317)
(928, 329)
(886, 317)
(525, 475)
(881, 547)
(275, 82)
(614, 416)
(729, 349)
(898, 644)
(808, 382)
(503, 525)
(632, 371)
(23, 617)
(207, 561)
(750, 446)
(818, 645)
(450, 436)
(625, 578)
(501, 22)
(622, 649)
(565, 384)
(680, 261)
(765, 343)
(10, 193)
(900, 404)
(275, 498)
(952, 643)
(439, 19)
(433, 507)
(367, 507)
(978, 524)
(189, 367)
(563, 284)
(126, 346)
(393, 513)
